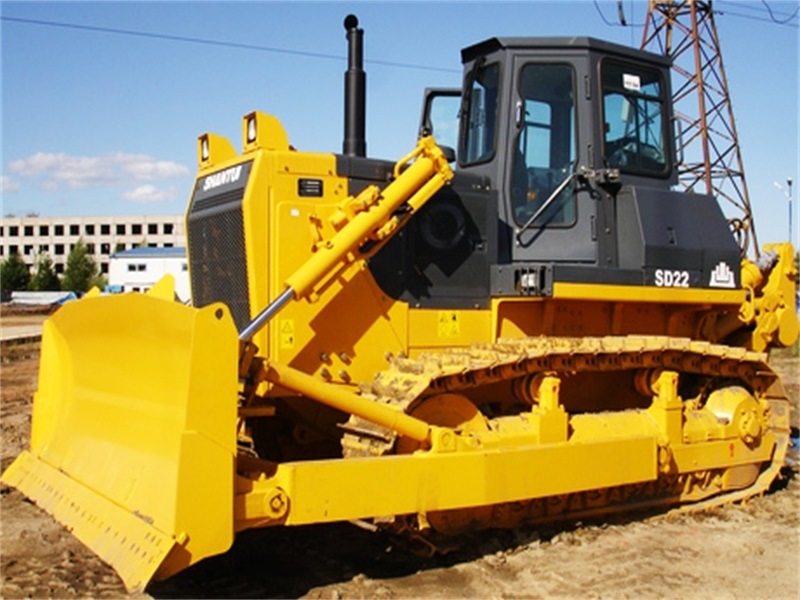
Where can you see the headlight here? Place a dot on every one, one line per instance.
(251, 129)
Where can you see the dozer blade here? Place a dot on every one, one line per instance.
(133, 438)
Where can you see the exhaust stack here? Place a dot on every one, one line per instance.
(355, 143)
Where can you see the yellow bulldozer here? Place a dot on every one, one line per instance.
(544, 330)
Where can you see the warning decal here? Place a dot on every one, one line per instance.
(449, 325)
(287, 334)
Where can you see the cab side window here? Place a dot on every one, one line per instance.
(480, 136)
(441, 118)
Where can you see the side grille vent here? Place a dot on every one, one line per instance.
(215, 237)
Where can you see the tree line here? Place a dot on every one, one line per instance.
(80, 274)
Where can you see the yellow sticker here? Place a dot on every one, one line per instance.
(449, 325)
(287, 334)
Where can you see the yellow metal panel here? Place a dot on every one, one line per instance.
(722, 454)
(623, 293)
(286, 226)
(307, 163)
(348, 331)
(516, 317)
(301, 220)
(351, 326)
(219, 149)
(260, 130)
(431, 328)
(322, 491)
(612, 425)
(256, 215)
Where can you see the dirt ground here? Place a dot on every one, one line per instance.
(742, 551)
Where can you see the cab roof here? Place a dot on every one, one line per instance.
(494, 44)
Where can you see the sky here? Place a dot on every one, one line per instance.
(102, 102)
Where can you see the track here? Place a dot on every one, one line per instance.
(494, 367)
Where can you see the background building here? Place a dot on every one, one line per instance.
(103, 236)
(139, 269)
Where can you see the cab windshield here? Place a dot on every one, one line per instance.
(633, 108)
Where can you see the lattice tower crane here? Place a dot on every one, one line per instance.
(708, 144)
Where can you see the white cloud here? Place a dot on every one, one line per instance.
(154, 170)
(7, 184)
(56, 169)
(150, 193)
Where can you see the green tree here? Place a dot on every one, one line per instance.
(45, 278)
(100, 282)
(81, 272)
(14, 274)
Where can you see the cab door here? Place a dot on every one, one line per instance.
(550, 213)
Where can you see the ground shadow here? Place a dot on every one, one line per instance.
(288, 562)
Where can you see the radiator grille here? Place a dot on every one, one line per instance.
(221, 199)
(216, 253)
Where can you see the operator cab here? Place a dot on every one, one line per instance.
(565, 163)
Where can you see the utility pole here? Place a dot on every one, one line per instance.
(707, 138)
(789, 183)
(788, 195)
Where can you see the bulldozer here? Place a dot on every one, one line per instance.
(527, 326)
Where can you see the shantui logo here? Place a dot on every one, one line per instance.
(231, 175)
(722, 276)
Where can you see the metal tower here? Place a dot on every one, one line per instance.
(708, 146)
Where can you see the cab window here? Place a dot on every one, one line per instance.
(441, 117)
(633, 108)
(544, 152)
(479, 120)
